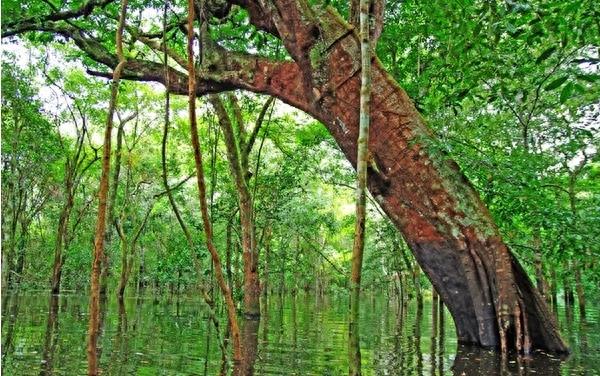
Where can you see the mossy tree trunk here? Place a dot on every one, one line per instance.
(427, 197)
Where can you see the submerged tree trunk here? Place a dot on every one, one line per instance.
(105, 273)
(425, 194)
(128, 248)
(249, 249)
(361, 192)
(61, 242)
(94, 321)
(74, 169)
(568, 296)
(427, 197)
(206, 221)
(579, 290)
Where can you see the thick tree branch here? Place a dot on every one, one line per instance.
(258, 16)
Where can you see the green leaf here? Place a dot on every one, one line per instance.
(566, 92)
(589, 77)
(511, 28)
(579, 88)
(546, 54)
(462, 94)
(556, 83)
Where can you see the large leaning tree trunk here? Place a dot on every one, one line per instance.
(430, 201)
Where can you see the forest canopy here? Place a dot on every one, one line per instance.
(485, 130)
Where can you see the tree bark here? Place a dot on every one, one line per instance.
(114, 186)
(579, 290)
(249, 250)
(225, 290)
(74, 171)
(94, 321)
(425, 194)
(128, 248)
(361, 192)
(443, 219)
(61, 240)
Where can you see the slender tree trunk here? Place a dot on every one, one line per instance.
(265, 283)
(14, 210)
(124, 266)
(203, 284)
(128, 248)
(361, 190)
(249, 251)
(567, 289)
(554, 290)
(141, 271)
(94, 321)
(294, 267)
(538, 263)
(228, 247)
(21, 245)
(61, 234)
(579, 289)
(114, 186)
(225, 290)
(283, 260)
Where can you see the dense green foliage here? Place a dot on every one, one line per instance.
(512, 89)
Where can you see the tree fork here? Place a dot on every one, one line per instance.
(443, 219)
(250, 256)
(225, 290)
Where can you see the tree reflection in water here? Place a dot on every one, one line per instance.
(50, 337)
(301, 336)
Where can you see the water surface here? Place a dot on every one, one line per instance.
(304, 335)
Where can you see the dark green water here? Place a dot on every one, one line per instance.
(301, 336)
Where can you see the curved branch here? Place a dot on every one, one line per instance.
(257, 126)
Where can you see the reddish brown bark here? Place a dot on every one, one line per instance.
(440, 214)
(105, 273)
(444, 221)
(425, 194)
(225, 290)
(94, 321)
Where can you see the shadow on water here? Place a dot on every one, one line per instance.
(300, 335)
(476, 361)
